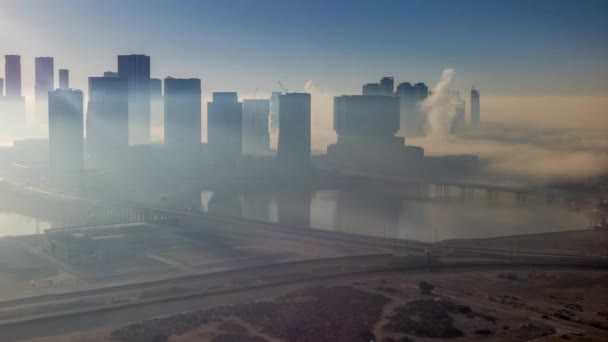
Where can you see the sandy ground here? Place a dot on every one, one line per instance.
(501, 305)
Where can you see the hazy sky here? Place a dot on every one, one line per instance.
(502, 47)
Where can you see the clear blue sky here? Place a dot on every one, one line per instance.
(513, 47)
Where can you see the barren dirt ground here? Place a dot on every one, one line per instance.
(501, 305)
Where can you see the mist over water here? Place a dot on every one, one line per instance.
(520, 139)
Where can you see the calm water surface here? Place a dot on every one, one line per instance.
(343, 211)
(387, 216)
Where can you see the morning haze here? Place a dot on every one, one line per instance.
(303, 171)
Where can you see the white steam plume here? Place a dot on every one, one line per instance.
(440, 107)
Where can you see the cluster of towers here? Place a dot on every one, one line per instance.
(371, 128)
(119, 105)
(118, 114)
(413, 121)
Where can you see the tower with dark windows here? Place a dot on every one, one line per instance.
(45, 77)
(13, 104)
(12, 75)
(475, 108)
(256, 137)
(225, 126)
(274, 111)
(66, 142)
(413, 119)
(107, 123)
(294, 130)
(136, 70)
(366, 126)
(183, 113)
(388, 86)
(64, 79)
(458, 123)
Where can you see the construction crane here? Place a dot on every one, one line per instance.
(283, 88)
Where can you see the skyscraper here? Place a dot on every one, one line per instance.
(1, 87)
(157, 108)
(12, 74)
(388, 86)
(225, 126)
(366, 116)
(413, 119)
(45, 77)
(44, 83)
(110, 74)
(274, 111)
(107, 120)
(13, 108)
(136, 70)
(475, 107)
(64, 79)
(66, 144)
(156, 88)
(294, 129)
(256, 137)
(366, 127)
(183, 112)
(458, 123)
(372, 89)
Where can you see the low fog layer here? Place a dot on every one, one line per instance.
(538, 138)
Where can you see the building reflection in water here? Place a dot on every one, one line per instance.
(293, 207)
(373, 214)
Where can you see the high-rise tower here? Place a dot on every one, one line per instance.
(66, 142)
(136, 70)
(225, 126)
(256, 137)
(294, 129)
(64, 79)
(475, 107)
(12, 75)
(45, 77)
(388, 86)
(183, 112)
(107, 120)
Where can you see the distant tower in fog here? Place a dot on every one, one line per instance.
(412, 118)
(183, 112)
(110, 74)
(107, 123)
(256, 137)
(372, 89)
(45, 77)
(274, 111)
(458, 123)
(64, 79)
(12, 75)
(475, 108)
(225, 126)
(66, 142)
(294, 129)
(388, 86)
(1, 87)
(156, 88)
(136, 70)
